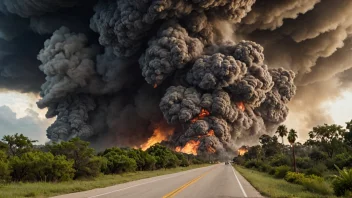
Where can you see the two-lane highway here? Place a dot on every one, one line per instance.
(213, 181)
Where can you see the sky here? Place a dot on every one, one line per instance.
(19, 114)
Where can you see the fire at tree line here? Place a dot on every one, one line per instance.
(21, 160)
(322, 164)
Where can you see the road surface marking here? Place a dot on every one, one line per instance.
(178, 190)
(141, 184)
(244, 193)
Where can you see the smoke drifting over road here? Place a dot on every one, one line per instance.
(116, 71)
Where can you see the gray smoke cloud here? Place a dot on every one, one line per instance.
(113, 71)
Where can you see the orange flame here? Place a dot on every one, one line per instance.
(241, 106)
(210, 149)
(155, 86)
(204, 113)
(158, 136)
(243, 150)
(191, 147)
(211, 133)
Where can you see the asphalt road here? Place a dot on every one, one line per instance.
(213, 181)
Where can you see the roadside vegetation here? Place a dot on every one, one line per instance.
(270, 186)
(322, 165)
(72, 166)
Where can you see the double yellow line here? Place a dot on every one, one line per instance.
(178, 190)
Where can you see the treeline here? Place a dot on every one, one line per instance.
(21, 160)
(327, 152)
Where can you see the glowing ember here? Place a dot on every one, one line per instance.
(204, 113)
(211, 133)
(155, 86)
(157, 137)
(241, 106)
(190, 148)
(210, 149)
(241, 151)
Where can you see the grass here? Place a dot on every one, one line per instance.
(41, 189)
(269, 186)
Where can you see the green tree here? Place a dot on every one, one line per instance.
(254, 152)
(40, 166)
(292, 136)
(317, 155)
(18, 144)
(165, 158)
(4, 167)
(348, 134)
(270, 145)
(282, 131)
(329, 138)
(118, 162)
(85, 162)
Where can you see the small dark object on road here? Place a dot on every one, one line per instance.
(226, 163)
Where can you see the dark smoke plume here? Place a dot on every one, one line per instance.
(217, 72)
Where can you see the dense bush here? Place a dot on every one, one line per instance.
(265, 167)
(40, 166)
(165, 158)
(22, 161)
(281, 171)
(304, 162)
(183, 161)
(343, 160)
(117, 163)
(342, 183)
(85, 162)
(4, 167)
(293, 177)
(280, 160)
(251, 164)
(239, 160)
(312, 183)
(316, 184)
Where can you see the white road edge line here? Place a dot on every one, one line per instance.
(143, 184)
(244, 193)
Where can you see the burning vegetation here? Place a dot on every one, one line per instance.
(243, 150)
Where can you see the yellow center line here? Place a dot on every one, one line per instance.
(178, 190)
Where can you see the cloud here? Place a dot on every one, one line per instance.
(30, 125)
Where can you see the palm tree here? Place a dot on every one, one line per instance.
(282, 131)
(349, 126)
(292, 135)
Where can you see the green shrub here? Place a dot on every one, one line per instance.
(239, 160)
(196, 161)
(280, 160)
(293, 177)
(304, 162)
(343, 160)
(263, 167)
(272, 171)
(119, 163)
(313, 171)
(40, 166)
(85, 163)
(4, 167)
(280, 172)
(317, 185)
(251, 164)
(343, 182)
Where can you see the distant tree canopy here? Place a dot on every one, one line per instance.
(21, 161)
(17, 144)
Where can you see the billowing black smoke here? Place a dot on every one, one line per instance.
(111, 71)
